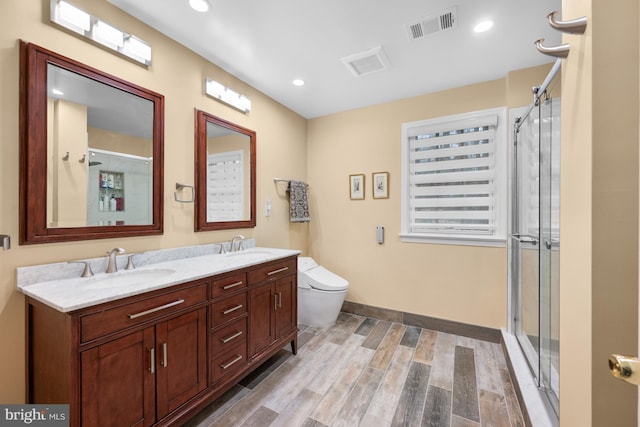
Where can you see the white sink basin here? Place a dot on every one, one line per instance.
(126, 278)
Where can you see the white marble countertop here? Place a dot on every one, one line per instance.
(70, 294)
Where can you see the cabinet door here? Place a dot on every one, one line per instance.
(181, 359)
(262, 303)
(118, 382)
(285, 313)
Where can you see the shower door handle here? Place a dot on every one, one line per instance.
(625, 368)
(525, 238)
(551, 243)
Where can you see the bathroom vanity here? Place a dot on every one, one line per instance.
(161, 347)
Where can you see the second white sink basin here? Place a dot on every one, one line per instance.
(126, 278)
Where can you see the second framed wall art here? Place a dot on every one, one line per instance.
(380, 185)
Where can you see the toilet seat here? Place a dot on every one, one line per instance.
(322, 279)
(313, 276)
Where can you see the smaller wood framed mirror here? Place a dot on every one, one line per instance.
(225, 174)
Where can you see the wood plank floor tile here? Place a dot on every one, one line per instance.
(411, 336)
(261, 417)
(387, 347)
(437, 408)
(331, 402)
(312, 423)
(376, 335)
(298, 410)
(412, 400)
(345, 328)
(308, 368)
(366, 326)
(335, 366)
(383, 406)
(252, 401)
(358, 401)
(457, 421)
(218, 407)
(426, 346)
(372, 373)
(465, 390)
(442, 364)
(262, 372)
(487, 369)
(493, 410)
(465, 342)
(515, 414)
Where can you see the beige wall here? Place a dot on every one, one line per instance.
(599, 216)
(462, 283)
(176, 73)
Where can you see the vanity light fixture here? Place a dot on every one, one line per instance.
(77, 20)
(230, 97)
(199, 5)
(483, 26)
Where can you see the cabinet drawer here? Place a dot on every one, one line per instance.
(228, 308)
(229, 336)
(111, 320)
(229, 363)
(228, 285)
(272, 271)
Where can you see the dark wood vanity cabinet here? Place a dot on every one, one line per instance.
(273, 303)
(160, 357)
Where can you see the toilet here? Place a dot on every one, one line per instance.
(320, 294)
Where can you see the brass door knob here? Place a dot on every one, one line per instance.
(626, 368)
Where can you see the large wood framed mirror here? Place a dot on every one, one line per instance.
(91, 152)
(225, 174)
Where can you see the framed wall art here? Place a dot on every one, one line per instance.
(380, 185)
(356, 187)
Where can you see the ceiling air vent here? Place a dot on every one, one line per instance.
(444, 20)
(367, 62)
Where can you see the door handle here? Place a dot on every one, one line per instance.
(625, 368)
(525, 238)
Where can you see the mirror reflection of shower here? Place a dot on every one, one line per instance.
(117, 179)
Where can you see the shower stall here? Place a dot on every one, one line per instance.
(534, 244)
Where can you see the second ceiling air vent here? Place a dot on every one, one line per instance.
(367, 62)
(444, 20)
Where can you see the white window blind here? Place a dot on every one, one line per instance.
(225, 186)
(454, 177)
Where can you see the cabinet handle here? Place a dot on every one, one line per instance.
(275, 302)
(234, 336)
(232, 309)
(233, 285)
(152, 360)
(280, 270)
(164, 354)
(153, 310)
(233, 362)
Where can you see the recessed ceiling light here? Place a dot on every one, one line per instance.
(483, 26)
(199, 5)
(298, 82)
(57, 92)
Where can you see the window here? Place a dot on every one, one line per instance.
(225, 186)
(454, 179)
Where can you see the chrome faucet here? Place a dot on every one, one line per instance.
(238, 238)
(112, 267)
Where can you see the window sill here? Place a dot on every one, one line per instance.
(495, 242)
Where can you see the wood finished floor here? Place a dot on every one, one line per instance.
(373, 373)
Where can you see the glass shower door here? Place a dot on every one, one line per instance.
(550, 244)
(535, 241)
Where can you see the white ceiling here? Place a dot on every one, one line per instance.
(268, 43)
